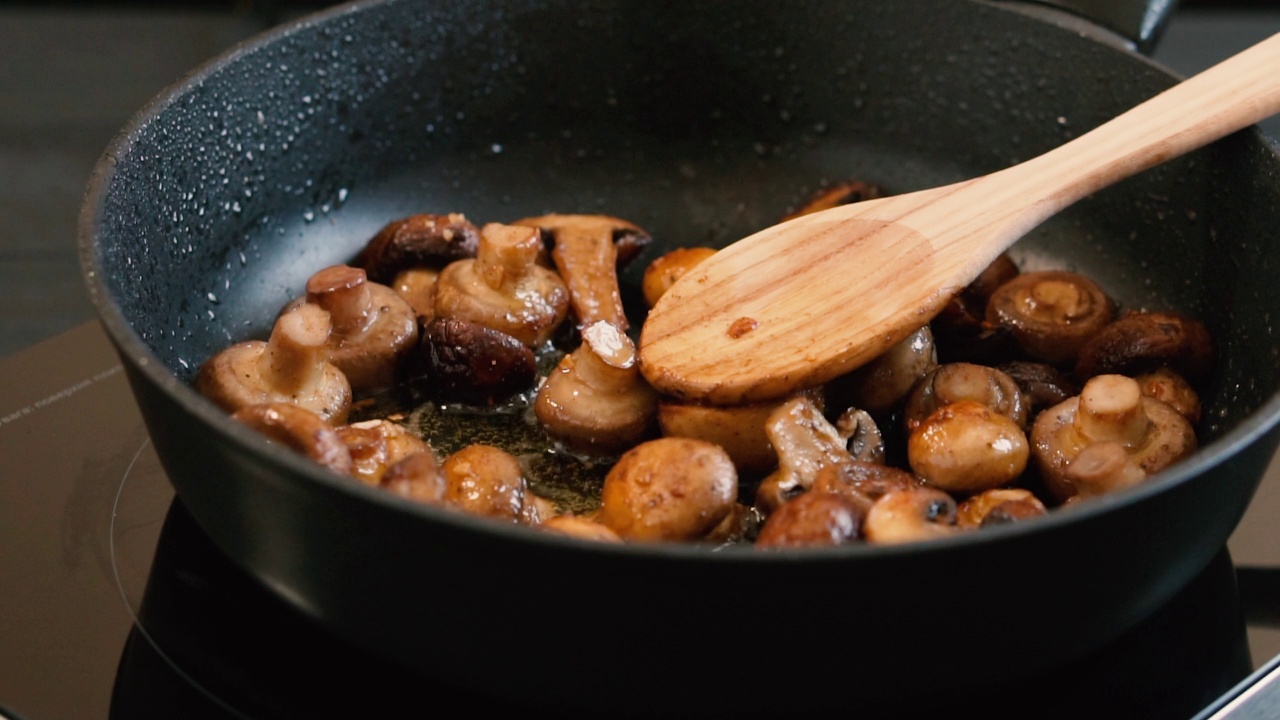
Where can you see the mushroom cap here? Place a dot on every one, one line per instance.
(1050, 313)
(913, 515)
(1141, 341)
(814, 519)
(422, 240)
(300, 430)
(488, 481)
(669, 489)
(967, 447)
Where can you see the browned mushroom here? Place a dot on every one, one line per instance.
(423, 240)
(1043, 385)
(1101, 468)
(504, 288)
(739, 429)
(864, 482)
(1166, 384)
(595, 400)
(460, 361)
(1051, 313)
(1141, 341)
(374, 329)
(805, 442)
(583, 248)
(961, 329)
(814, 519)
(375, 445)
(666, 269)
(850, 191)
(862, 436)
(1109, 408)
(999, 506)
(881, 384)
(967, 447)
(580, 526)
(669, 489)
(291, 366)
(299, 430)
(417, 477)
(913, 515)
(487, 481)
(953, 382)
(417, 286)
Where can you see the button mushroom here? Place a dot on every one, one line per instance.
(966, 447)
(374, 329)
(417, 477)
(504, 288)
(666, 269)
(418, 241)
(1166, 384)
(882, 383)
(1043, 385)
(583, 248)
(669, 489)
(595, 400)
(291, 366)
(375, 445)
(1109, 408)
(814, 519)
(999, 506)
(299, 430)
(953, 382)
(739, 429)
(1051, 313)
(487, 481)
(1141, 341)
(913, 515)
(460, 361)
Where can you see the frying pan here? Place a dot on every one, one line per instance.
(701, 122)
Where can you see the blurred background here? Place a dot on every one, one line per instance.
(73, 73)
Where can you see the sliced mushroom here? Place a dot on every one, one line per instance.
(966, 447)
(814, 519)
(374, 329)
(299, 430)
(291, 366)
(417, 477)
(1166, 384)
(953, 382)
(999, 506)
(862, 435)
(739, 429)
(850, 191)
(595, 400)
(669, 489)
(914, 515)
(424, 240)
(1141, 341)
(376, 445)
(881, 384)
(460, 361)
(1109, 408)
(1051, 313)
(584, 250)
(666, 269)
(805, 442)
(504, 288)
(487, 481)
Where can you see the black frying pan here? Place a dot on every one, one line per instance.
(701, 122)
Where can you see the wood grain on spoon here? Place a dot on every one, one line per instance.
(802, 302)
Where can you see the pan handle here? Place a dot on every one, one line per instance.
(1133, 24)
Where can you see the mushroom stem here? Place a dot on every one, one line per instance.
(609, 358)
(342, 290)
(505, 253)
(294, 359)
(1111, 410)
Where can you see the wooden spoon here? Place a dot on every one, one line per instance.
(805, 301)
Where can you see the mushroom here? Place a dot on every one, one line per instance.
(374, 329)
(666, 269)
(1042, 384)
(580, 526)
(460, 361)
(913, 515)
(953, 382)
(805, 442)
(1101, 468)
(423, 240)
(417, 285)
(961, 329)
(1108, 408)
(850, 191)
(417, 477)
(487, 481)
(583, 248)
(1141, 341)
(814, 519)
(291, 366)
(1166, 384)
(300, 430)
(966, 447)
(669, 489)
(999, 506)
(739, 429)
(1050, 313)
(504, 288)
(375, 445)
(882, 383)
(862, 435)
(863, 482)
(595, 400)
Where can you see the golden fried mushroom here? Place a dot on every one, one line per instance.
(669, 489)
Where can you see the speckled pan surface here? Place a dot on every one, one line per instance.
(700, 122)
